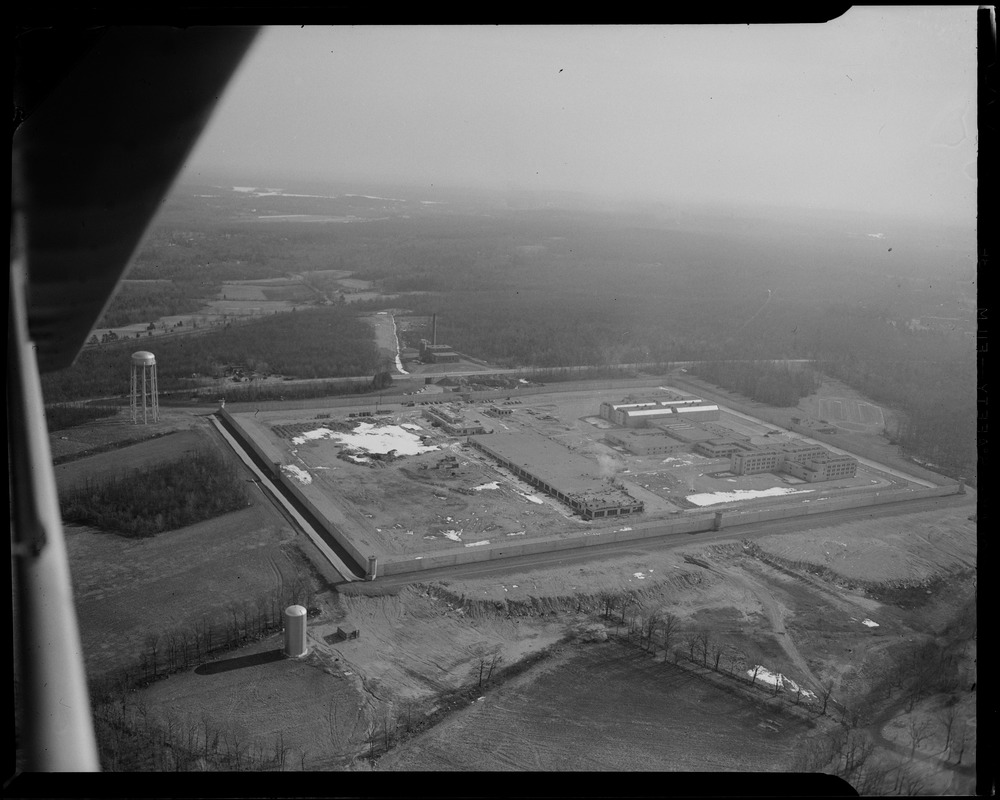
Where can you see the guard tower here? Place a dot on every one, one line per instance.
(144, 384)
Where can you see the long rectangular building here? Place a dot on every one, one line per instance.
(641, 414)
(569, 477)
(810, 462)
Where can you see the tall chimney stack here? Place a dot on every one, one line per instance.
(434, 329)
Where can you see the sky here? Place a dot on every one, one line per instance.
(874, 111)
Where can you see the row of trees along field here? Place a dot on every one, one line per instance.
(147, 301)
(60, 417)
(161, 498)
(325, 342)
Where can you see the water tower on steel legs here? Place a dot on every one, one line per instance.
(144, 386)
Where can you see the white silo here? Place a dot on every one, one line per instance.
(144, 385)
(295, 632)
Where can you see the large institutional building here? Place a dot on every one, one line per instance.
(560, 473)
(670, 424)
(809, 462)
(642, 414)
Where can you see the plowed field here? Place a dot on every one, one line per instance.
(606, 707)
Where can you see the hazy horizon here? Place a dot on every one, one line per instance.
(873, 112)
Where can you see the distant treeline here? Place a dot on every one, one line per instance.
(929, 377)
(144, 302)
(326, 342)
(768, 382)
(260, 392)
(551, 288)
(162, 498)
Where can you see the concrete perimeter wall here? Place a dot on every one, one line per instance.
(289, 486)
(631, 529)
(367, 401)
(631, 532)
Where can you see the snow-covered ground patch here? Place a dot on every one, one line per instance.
(532, 498)
(516, 533)
(764, 675)
(490, 485)
(476, 544)
(870, 623)
(298, 473)
(711, 498)
(372, 439)
(455, 536)
(410, 426)
(639, 575)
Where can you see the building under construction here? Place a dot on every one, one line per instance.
(453, 421)
(569, 477)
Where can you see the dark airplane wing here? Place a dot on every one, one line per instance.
(104, 118)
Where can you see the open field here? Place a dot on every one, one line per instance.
(420, 643)
(851, 413)
(603, 707)
(242, 299)
(126, 589)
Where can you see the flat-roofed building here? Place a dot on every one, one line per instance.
(808, 462)
(828, 467)
(453, 421)
(437, 353)
(684, 431)
(641, 414)
(721, 448)
(754, 461)
(645, 443)
(569, 477)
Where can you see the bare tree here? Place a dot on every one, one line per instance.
(703, 644)
(855, 751)
(234, 611)
(827, 691)
(152, 641)
(607, 600)
(652, 623)
(669, 629)
(717, 650)
(262, 604)
(919, 729)
(632, 614)
(960, 742)
(756, 669)
(947, 717)
(495, 658)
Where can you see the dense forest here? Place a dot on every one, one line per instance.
(330, 341)
(929, 377)
(161, 498)
(60, 417)
(776, 384)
